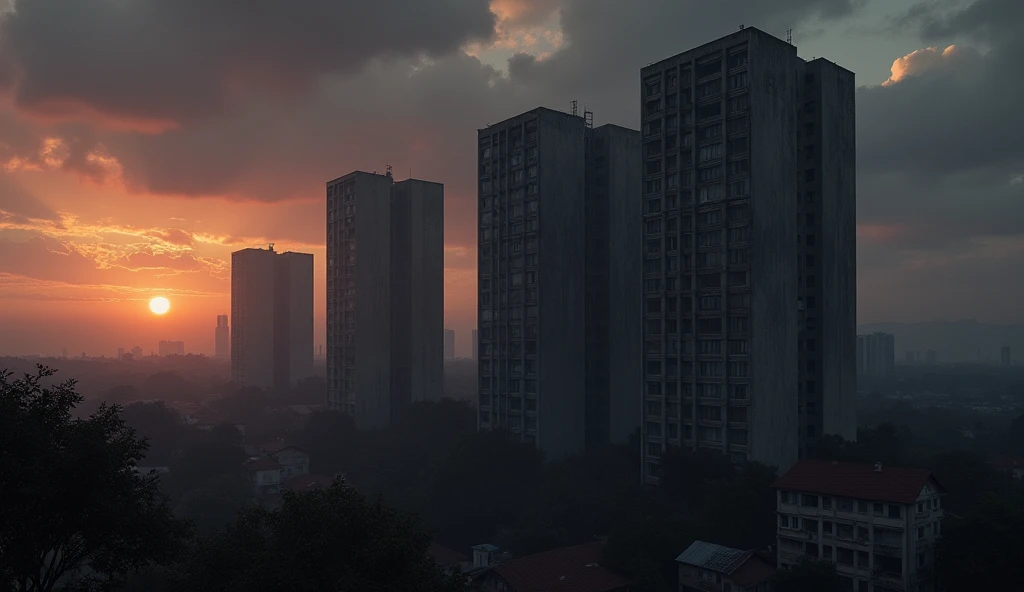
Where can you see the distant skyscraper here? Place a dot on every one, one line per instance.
(932, 356)
(1004, 354)
(222, 337)
(749, 251)
(449, 344)
(876, 354)
(271, 318)
(136, 352)
(385, 295)
(476, 345)
(171, 348)
(120, 353)
(558, 299)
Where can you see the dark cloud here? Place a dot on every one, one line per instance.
(608, 41)
(939, 153)
(159, 62)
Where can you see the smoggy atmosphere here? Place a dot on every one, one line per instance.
(141, 143)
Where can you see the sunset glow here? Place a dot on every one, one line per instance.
(159, 305)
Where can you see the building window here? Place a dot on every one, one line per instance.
(737, 81)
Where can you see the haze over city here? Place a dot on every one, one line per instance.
(129, 179)
(511, 295)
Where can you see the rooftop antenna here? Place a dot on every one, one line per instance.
(789, 36)
(575, 110)
(741, 27)
(588, 118)
(388, 169)
(271, 247)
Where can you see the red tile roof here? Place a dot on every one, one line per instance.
(859, 481)
(752, 571)
(301, 482)
(570, 569)
(262, 464)
(1005, 462)
(444, 556)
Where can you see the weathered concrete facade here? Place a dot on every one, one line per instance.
(724, 249)
(549, 185)
(385, 295)
(271, 318)
(828, 202)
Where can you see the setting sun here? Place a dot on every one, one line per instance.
(159, 305)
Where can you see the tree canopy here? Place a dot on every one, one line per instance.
(70, 500)
(327, 539)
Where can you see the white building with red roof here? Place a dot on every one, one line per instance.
(877, 524)
(280, 463)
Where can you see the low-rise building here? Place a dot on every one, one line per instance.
(714, 568)
(279, 463)
(264, 474)
(877, 524)
(569, 569)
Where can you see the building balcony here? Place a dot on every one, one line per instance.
(799, 535)
(888, 550)
(888, 579)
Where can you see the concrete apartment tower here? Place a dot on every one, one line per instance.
(449, 345)
(385, 295)
(271, 318)
(749, 251)
(876, 354)
(476, 345)
(222, 338)
(559, 207)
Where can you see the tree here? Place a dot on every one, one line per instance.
(70, 498)
(967, 477)
(216, 503)
(983, 549)
(162, 427)
(645, 550)
(809, 576)
(327, 539)
(201, 459)
(740, 510)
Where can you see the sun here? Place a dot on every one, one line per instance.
(159, 305)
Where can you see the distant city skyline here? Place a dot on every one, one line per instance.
(108, 202)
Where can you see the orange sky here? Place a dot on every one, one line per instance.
(122, 180)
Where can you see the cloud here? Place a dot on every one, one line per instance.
(155, 64)
(18, 205)
(918, 61)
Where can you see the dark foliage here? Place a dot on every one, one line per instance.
(69, 496)
(329, 539)
(809, 576)
(984, 548)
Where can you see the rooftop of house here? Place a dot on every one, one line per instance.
(444, 556)
(859, 481)
(1005, 462)
(263, 464)
(744, 568)
(569, 569)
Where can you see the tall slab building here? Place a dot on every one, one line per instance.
(385, 295)
(558, 203)
(749, 251)
(222, 338)
(271, 318)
